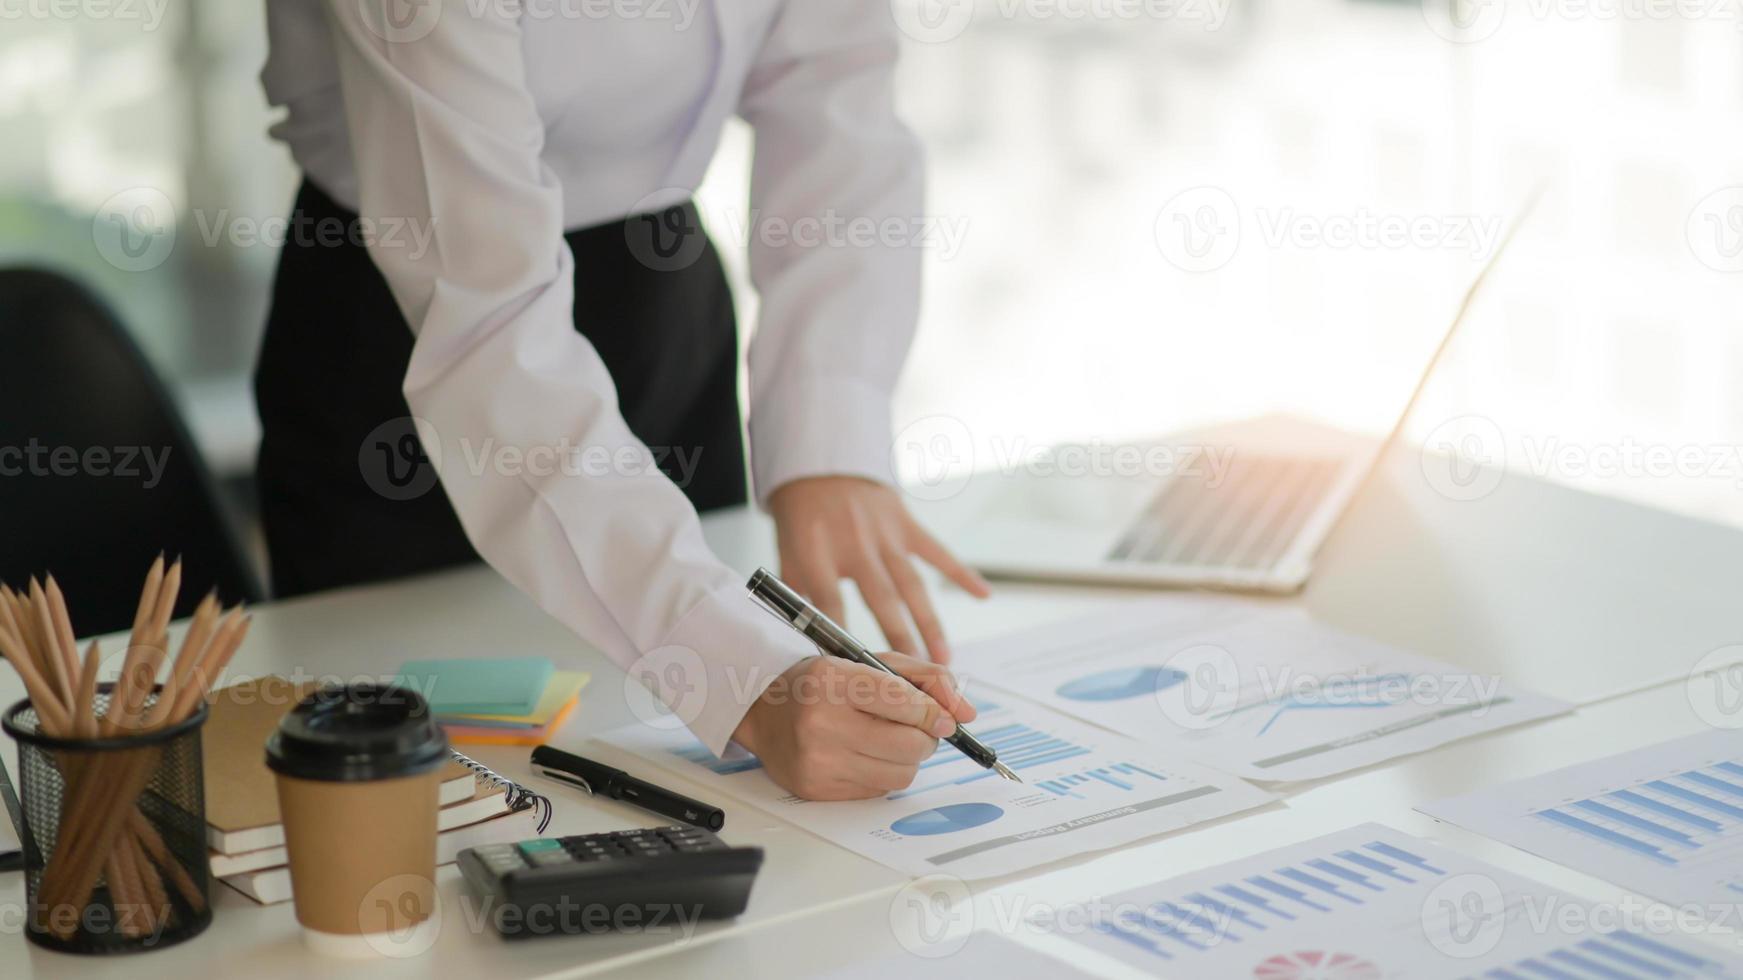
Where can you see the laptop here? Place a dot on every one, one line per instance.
(1244, 506)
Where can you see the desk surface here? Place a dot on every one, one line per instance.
(1577, 596)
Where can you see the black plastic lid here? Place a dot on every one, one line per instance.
(357, 733)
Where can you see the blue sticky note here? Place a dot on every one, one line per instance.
(479, 686)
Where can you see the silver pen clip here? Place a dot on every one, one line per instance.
(566, 777)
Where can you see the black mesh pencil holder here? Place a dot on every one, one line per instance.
(114, 835)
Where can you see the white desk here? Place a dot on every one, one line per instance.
(1573, 595)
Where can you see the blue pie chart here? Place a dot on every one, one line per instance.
(1120, 683)
(947, 819)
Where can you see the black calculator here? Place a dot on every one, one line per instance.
(654, 880)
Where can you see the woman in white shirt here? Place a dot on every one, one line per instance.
(494, 238)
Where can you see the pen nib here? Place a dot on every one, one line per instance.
(1005, 771)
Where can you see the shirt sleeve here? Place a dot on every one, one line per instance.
(446, 133)
(837, 187)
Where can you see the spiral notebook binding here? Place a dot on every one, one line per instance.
(519, 797)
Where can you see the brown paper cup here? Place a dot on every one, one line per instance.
(362, 854)
(358, 768)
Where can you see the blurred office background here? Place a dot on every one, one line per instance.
(1072, 144)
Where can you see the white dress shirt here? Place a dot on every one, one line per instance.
(499, 125)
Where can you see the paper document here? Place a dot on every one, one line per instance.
(984, 954)
(1083, 790)
(1264, 694)
(1665, 821)
(9, 840)
(1370, 903)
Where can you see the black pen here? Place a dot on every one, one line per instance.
(599, 779)
(791, 608)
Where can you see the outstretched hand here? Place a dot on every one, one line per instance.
(836, 527)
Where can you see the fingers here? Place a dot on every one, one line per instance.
(867, 757)
(831, 528)
(865, 785)
(835, 730)
(889, 742)
(883, 756)
(919, 602)
(936, 681)
(927, 547)
(885, 603)
(811, 570)
(885, 777)
(895, 699)
(833, 790)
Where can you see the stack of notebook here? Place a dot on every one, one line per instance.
(496, 701)
(243, 829)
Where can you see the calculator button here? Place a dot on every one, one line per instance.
(533, 848)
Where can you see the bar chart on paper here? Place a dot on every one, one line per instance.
(1083, 789)
(1369, 903)
(1020, 747)
(1666, 820)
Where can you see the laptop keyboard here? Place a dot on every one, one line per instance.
(1246, 520)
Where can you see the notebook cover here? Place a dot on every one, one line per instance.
(509, 686)
(271, 884)
(241, 797)
(482, 802)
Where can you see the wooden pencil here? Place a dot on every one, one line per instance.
(50, 662)
(65, 642)
(103, 830)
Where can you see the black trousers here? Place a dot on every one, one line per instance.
(346, 494)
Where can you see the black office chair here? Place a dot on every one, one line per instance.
(98, 473)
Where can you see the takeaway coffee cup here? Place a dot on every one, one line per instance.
(358, 769)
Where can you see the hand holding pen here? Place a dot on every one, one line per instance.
(863, 722)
